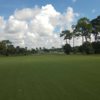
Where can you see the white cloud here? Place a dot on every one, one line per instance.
(37, 27)
(26, 13)
(2, 22)
(14, 26)
(68, 18)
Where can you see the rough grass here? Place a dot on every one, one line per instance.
(50, 77)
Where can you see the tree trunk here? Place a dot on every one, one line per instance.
(82, 39)
(95, 37)
(73, 41)
(66, 41)
(86, 38)
(69, 41)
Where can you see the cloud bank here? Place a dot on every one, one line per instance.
(37, 27)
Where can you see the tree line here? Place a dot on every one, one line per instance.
(8, 49)
(84, 28)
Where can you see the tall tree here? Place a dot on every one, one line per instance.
(67, 35)
(84, 28)
(74, 34)
(96, 27)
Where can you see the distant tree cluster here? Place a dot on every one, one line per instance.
(8, 49)
(84, 28)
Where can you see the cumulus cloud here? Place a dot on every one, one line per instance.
(2, 22)
(68, 18)
(37, 27)
(14, 26)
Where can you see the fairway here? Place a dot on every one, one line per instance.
(50, 77)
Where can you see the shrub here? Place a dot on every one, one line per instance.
(67, 48)
(96, 47)
(87, 48)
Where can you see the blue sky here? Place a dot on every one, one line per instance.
(89, 8)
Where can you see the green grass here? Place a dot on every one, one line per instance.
(50, 77)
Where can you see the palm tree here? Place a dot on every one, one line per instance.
(84, 28)
(96, 27)
(74, 34)
(67, 35)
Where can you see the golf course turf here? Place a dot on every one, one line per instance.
(50, 77)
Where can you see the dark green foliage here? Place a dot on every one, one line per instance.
(33, 51)
(75, 49)
(67, 48)
(80, 49)
(84, 27)
(66, 34)
(96, 27)
(96, 47)
(87, 48)
(2, 48)
(7, 49)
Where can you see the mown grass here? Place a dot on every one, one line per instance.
(50, 77)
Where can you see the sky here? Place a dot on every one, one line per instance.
(38, 23)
